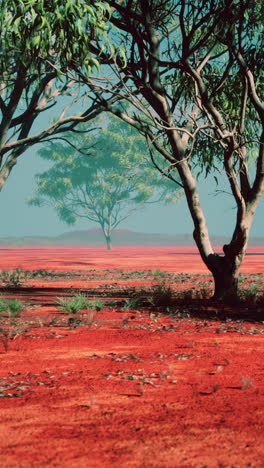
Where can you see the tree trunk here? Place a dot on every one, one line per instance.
(225, 269)
(226, 277)
(108, 242)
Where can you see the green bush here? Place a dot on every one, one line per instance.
(95, 304)
(13, 307)
(132, 303)
(158, 273)
(73, 304)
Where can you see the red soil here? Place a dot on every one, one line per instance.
(131, 390)
(128, 258)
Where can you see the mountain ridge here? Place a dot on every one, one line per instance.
(120, 237)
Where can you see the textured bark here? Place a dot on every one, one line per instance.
(225, 268)
(226, 277)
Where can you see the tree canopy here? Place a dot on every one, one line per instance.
(194, 77)
(41, 42)
(103, 176)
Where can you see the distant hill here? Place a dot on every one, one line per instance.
(120, 237)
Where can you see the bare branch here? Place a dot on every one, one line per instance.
(258, 104)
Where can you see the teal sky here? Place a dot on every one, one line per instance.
(18, 219)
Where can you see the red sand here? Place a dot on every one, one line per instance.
(127, 258)
(132, 390)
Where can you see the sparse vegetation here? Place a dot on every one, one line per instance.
(132, 303)
(134, 360)
(187, 295)
(95, 304)
(160, 274)
(12, 307)
(13, 278)
(161, 295)
(181, 295)
(11, 326)
(252, 295)
(79, 302)
(73, 304)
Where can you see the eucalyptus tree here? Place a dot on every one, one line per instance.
(103, 176)
(40, 42)
(192, 71)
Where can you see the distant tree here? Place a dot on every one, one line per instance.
(103, 177)
(40, 44)
(193, 76)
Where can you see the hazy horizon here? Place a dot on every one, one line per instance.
(19, 219)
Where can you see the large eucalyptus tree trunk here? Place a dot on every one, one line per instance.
(225, 272)
(224, 267)
(225, 279)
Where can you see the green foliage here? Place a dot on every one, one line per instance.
(102, 176)
(209, 37)
(132, 303)
(73, 304)
(13, 307)
(44, 48)
(95, 304)
(37, 33)
(223, 78)
(79, 302)
(158, 273)
(79, 309)
(11, 324)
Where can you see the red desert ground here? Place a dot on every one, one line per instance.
(127, 384)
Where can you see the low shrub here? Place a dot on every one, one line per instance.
(13, 307)
(186, 295)
(251, 296)
(158, 273)
(132, 303)
(161, 295)
(95, 304)
(13, 278)
(11, 326)
(73, 304)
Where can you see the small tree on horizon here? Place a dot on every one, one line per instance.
(103, 177)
